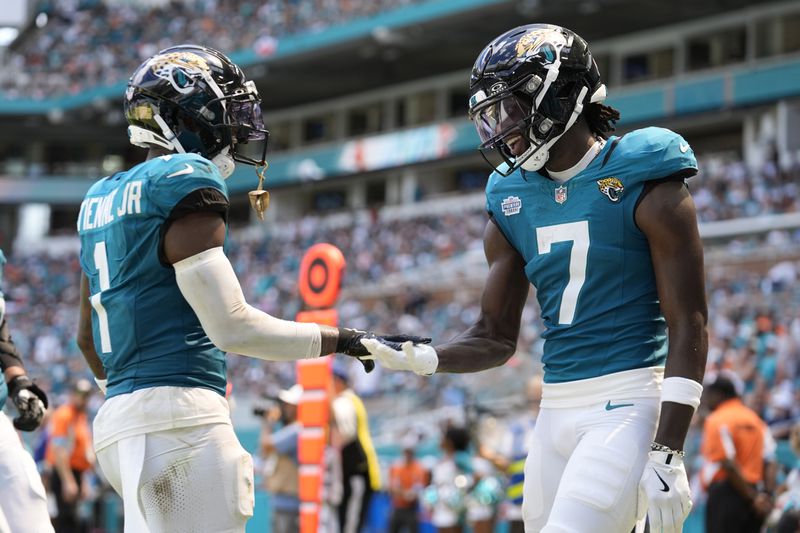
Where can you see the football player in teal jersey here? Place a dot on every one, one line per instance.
(160, 301)
(605, 230)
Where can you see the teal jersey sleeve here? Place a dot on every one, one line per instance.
(652, 154)
(676, 156)
(180, 175)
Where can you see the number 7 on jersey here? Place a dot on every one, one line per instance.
(578, 233)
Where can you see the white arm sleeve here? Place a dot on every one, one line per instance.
(209, 284)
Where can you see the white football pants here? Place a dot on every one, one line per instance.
(194, 479)
(23, 502)
(584, 465)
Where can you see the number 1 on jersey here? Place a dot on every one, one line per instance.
(101, 264)
(578, 233)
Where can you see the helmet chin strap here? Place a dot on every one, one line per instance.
(538, 156)
(145, 138)
(224, 162)
(169, 135)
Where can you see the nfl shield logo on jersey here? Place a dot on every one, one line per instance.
(561, 194)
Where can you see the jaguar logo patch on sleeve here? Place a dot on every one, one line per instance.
(611, 187)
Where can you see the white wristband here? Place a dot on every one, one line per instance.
(101, 384)
(681, 390)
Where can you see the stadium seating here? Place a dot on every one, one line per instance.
(77, 45)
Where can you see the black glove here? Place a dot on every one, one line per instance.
(349, 343)
(30, 400)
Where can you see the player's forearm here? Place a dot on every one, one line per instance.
(688, 341)
(688, 347)
(474, 350)
(251, 332)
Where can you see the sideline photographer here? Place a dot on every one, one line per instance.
(279, 435)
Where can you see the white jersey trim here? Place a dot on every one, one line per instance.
(627, 385)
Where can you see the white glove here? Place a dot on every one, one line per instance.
(102, 384)
(418, 358)
(664, 493)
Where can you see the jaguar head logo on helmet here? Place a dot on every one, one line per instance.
(550, 78)
(192, 98)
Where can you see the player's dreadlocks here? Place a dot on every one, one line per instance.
(601, 118)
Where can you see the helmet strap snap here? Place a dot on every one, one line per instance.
(224, 162)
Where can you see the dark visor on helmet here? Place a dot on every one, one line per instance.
(247, 117)
(249, 134)
(501, 118)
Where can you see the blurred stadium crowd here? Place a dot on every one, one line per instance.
(726, 188)
(78, 44)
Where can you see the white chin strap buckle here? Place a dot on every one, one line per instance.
(224, 163)
(537, 160)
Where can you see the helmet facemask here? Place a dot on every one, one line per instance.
(242, 123)
(537, 110)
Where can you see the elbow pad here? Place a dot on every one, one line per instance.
(210, 286)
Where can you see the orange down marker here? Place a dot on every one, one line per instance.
(321, 271)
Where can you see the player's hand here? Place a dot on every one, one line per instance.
(412, 356)
(350, 344)
(30, 401)
(664, 493)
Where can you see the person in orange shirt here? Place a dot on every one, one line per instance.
(70, 455)
(407, 478)
(737, 450)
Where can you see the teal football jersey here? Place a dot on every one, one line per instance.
(145, 332)
(586, 257)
